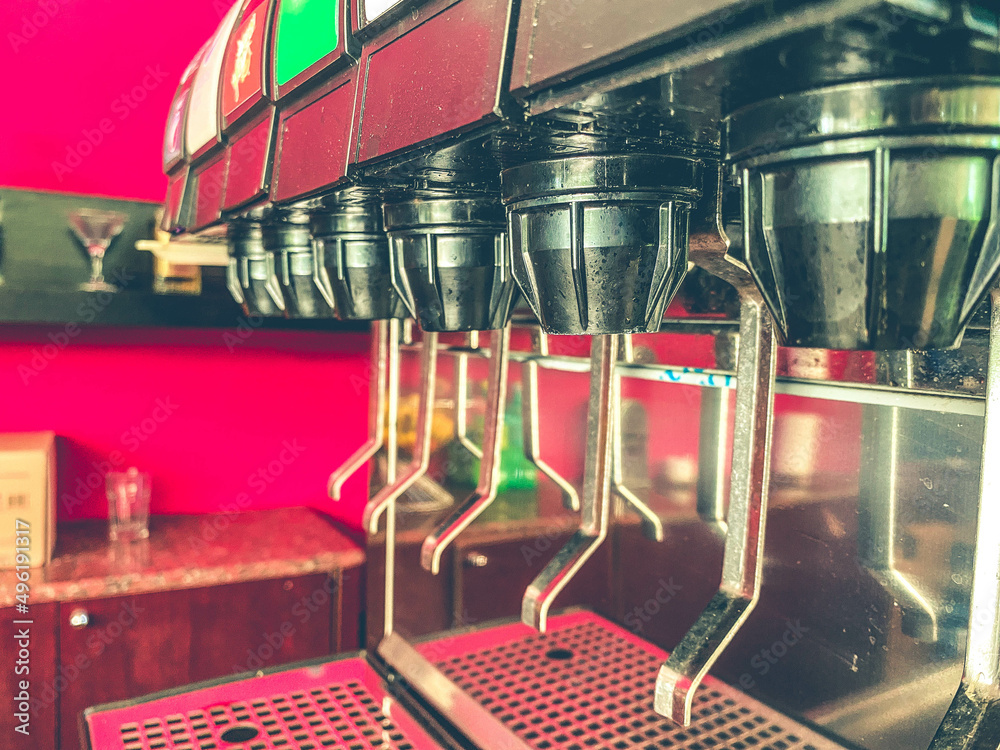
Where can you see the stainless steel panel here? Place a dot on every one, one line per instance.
(852, 668)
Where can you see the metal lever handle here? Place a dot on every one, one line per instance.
(489, 469)
(973, 719)
(462, 398)
(651, 523)
(530, 422)
(743, 558)
(422, 450)
(385, 336)
(271, 285)
(596, 490)
(233, 281)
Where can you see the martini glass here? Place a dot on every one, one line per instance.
(96, 230)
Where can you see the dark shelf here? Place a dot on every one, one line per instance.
(134, 308)
(42, 266)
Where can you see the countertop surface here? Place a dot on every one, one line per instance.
(187, 552)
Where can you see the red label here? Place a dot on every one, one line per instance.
(247, 163)
(242, 74)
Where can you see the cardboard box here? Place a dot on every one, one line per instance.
(28, 495)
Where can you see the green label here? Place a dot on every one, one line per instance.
(307, 32)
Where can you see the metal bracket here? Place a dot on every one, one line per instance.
(530, 420)
(462, 398)
(422, 450)
(384, 358)
(651, 523)
(489, 469)
(596, 490)
(743, 555)
(973, 719)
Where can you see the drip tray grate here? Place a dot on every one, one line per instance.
(589, 684)
(338, 705)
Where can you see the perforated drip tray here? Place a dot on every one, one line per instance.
(589, 684)
(341, 704)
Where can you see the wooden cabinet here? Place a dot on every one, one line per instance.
(254, 625)
(42, 676)
(121, 647)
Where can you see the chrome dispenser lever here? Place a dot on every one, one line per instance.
(596, 490)
(651, 523)
(422, 449)
(530, 421)
(743, 556)
(409, 324)
(489, 469)
(384, 355)
(391, 466)
(233, 284)
(973, 719)
(462, 397)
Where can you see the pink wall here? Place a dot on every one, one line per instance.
(70, 66)
(213, 423)
(220, 426)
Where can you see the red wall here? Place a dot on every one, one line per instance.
(212, 422)
(69, 65)
(220, 426)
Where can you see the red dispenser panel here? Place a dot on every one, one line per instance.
(247, 112)
(314, 140)
(250, 155)
(436, 73)
(246, 67)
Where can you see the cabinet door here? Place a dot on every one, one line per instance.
(491, 576)
(350, 623)
(121, 647)
(132, 646)
(249, 626)
(41, 676)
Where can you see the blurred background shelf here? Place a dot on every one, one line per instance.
(42, 266)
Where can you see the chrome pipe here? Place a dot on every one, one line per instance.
(973, 719)
(489, 468)
(379, 366)
(531, 421)
(388, 495)
(743, 555)
(596, 490)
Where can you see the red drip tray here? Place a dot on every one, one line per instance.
(588, 683)
(341, 704)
